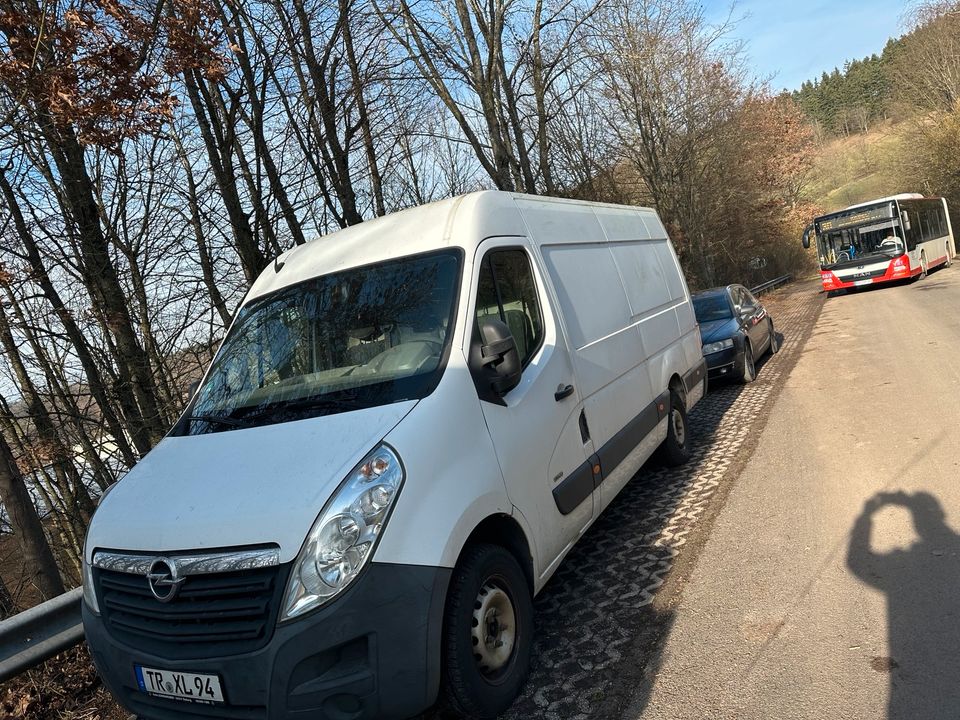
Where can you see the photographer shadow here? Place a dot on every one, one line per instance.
(922, 588)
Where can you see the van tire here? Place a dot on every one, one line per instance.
(675, 449)
(486, 575)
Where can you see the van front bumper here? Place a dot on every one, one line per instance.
(372, 653)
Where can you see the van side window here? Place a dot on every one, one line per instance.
(507, 290)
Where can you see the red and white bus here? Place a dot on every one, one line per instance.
(892, 238)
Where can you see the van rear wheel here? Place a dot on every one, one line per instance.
(488, 632)
(675, 449)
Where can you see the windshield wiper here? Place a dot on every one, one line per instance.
(300, 405)
(321, 403)
(221, 420)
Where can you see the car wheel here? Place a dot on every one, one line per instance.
(749, 373)
(774, 340)
(488, 632)
(675, 449)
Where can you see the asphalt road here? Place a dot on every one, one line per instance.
(829, 586)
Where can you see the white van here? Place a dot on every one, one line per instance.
(406, 429)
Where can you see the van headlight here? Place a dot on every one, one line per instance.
(717, 346)
(342, 539)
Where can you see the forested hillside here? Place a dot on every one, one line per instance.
(891, 122)
(852, 99)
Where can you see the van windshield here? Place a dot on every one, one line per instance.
(362, 337)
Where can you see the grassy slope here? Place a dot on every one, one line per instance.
(856, 169)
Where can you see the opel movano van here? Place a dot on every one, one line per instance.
(407, 427)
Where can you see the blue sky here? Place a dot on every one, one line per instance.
(796, 41)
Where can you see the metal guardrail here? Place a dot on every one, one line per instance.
(771, 284)
(30, 637)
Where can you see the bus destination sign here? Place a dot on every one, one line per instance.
(838, 222)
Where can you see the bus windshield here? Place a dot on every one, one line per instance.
(874, 241)
(357, 338)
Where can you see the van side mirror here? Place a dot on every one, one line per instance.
(192, 390)
(494, 361)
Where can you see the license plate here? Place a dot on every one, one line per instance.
(192, 687)
(863, 282)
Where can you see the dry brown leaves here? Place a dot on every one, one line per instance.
(103, 67)
(66, 687)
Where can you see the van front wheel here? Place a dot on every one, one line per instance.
(488, 632)
(675, 450)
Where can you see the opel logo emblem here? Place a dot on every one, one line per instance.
(163, 580)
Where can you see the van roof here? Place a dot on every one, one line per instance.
(463, 221)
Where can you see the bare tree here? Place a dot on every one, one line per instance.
(676, 82)
(23, 516)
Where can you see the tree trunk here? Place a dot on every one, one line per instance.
(35, 551)
(100, 276)
(53, 452)
(376, 180)
(95, 380)
(255, 123)
(220, 152)
(199, 236)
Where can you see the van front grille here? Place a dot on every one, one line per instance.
(212, 614)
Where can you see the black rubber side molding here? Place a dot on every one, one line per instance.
(616, 449)
(578, 485)
(574, 489)
(695, 375)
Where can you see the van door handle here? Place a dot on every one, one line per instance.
(563, 391)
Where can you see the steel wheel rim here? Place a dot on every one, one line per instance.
(494, 628)
(679, 429)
